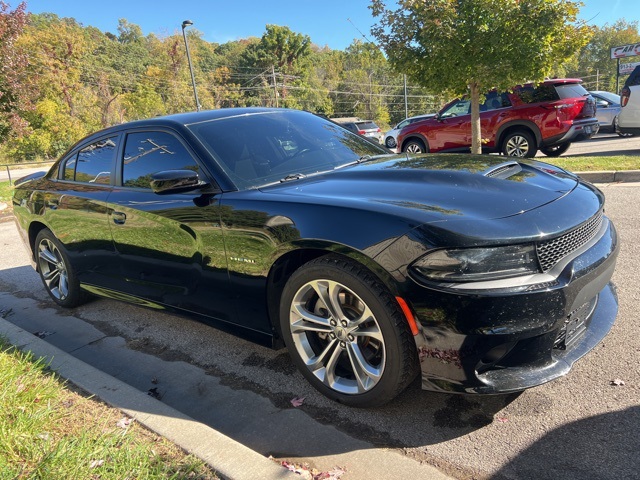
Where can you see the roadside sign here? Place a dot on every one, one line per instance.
(625, 51)
(626, 68)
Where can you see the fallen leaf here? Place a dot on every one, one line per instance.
(502, 419)
(153, 392)
(43, 334)
(617, 382)
(124, 422)
(297, 401)
(155, 381)
(96, 463)
(43, 436)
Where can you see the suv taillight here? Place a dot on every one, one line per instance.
(624, 96)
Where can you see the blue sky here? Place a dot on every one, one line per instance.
(325, 21)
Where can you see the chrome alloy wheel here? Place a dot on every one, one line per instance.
(53, 269)
(337, 336)
(413, 148)
(517, 146)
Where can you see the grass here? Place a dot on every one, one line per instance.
(590, 164)
(50, 430)
(6, 191)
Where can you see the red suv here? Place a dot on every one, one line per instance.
(548, 117)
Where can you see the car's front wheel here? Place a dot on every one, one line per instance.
(414, 146)
(56, 272)
(556, 150)
(346, 333)
(519, 143)
(616, 129)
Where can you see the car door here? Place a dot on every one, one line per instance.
(493, 112)
(170, 246)
(76, 210)
(452, 131)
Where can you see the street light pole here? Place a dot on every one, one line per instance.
(188, 23)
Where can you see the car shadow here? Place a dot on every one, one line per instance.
(603, 446)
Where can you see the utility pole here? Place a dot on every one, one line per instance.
(275, 85)
(406, 102)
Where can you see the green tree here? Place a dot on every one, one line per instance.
(472, 46)
(14, 97)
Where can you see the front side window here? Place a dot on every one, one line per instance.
(94, 163)
(461, 107)
(146, 153)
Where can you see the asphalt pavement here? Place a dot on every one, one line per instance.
(187, 381)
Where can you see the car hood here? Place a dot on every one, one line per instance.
(436, 187)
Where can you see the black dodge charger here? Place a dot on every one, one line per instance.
(484, 274)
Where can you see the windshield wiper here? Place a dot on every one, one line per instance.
(292, 176)
(368, 158)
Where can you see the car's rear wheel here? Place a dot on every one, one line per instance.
(390, 142)
(556, 150)
(414, 146)
(56, 272)
(519, 143)
(346, 333)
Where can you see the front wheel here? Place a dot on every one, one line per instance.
(346, 333)
(414, 146)
(56, 272)
(519, 143)
(616, 128)
(556, 150)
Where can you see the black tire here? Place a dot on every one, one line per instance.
(556, 150)
(390, 142)
(56, 272)
(414, 146)
(325, 346)
(519, 143)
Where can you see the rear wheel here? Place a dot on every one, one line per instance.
(346, 333)
(616, 128)
(519, 143)
(556, 150)
(414, 146)
(56, 272)
(390, 142)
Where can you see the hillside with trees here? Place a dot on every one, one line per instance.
(60, 80)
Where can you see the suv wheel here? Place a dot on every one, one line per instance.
(556, 150)
(390, 142)
(414, 146)
(519, 143)
(616, 129)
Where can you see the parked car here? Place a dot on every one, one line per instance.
(629, 118)
(366, 128)
(607, 111)
(391, 137)
(546, 117)
(485, 275)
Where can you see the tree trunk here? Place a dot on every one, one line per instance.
(476, 134)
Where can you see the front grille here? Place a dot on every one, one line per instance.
(552, 251)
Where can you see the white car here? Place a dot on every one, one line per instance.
(629, 118)
(391, 137)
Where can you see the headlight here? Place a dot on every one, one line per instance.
(478, 264)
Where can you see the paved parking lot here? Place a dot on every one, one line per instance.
(581, 426)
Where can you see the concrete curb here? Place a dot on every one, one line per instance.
(610, 176)
(230, 459)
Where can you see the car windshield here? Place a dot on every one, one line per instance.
(267, 147)
(571, 90)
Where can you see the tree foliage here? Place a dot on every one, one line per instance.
(472, 46)
(60, 80)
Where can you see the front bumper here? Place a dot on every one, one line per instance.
(501, 342)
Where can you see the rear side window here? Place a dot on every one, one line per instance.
(541, 93)
(366, 126)
(146, 153)
(93, 164)
(634, 78)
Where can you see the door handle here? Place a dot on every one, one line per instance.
(119, 218)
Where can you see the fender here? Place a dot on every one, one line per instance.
(518, 123)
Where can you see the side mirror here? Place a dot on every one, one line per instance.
(175, 181)
(602, 104)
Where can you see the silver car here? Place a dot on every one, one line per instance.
(608, 110)
(391, 137)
